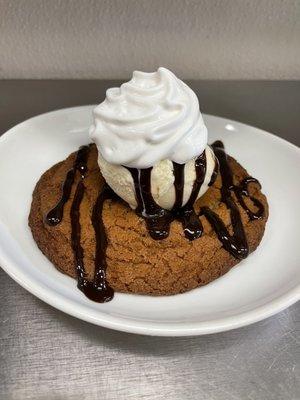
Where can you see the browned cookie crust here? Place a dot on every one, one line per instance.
(136, 262)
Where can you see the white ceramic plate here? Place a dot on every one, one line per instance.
(265, 283)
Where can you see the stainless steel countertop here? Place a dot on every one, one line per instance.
(45, 354)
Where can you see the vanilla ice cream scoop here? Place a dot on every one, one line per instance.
(153, 122)
(162, 180)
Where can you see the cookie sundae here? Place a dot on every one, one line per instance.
(149, 207)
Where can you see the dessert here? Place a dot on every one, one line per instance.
(149, 208)
(151, 122)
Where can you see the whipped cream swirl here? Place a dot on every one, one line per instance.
(153, 117)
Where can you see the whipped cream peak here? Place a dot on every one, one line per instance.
(153, 117)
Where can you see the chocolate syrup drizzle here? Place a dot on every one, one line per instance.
(235, 244)
(158, 220)
(178, 171)
(214, 175)
(98, 290)
(54, 216)
(191, 224)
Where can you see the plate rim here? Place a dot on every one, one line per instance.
(119, 323)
